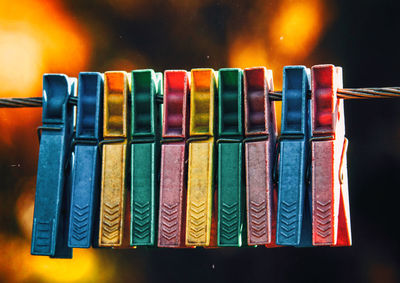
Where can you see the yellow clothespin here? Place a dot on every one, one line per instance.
(116, 88)
(201, 158)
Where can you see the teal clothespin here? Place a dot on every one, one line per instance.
(231, 190)
(145, 147)
(50, 223)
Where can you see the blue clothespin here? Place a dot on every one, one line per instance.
(294, 217)
(50, 223)
(86, 163)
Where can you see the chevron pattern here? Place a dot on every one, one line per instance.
(323, 219)
(197, 220)
(288, 221)
(80, 222)
(141, 219)
(111, 228)
(258, 218)
(169, 221)
(44, 231)
(229, 225)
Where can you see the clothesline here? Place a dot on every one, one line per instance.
(345, 93)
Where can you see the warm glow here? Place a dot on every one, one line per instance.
(18, 265)
(247, 52)
(36, 37)
(20, 54)
(83, 267)
(297, 27)
(289, 36)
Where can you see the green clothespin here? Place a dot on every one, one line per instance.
(231, 188)
(145, 147)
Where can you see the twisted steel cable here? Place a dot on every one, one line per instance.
(345, 93)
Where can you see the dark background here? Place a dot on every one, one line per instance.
(360, 36)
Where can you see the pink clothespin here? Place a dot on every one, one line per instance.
(330, 197)
(260, 132)
(171, 231)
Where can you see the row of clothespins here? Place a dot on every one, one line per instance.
(205, 168)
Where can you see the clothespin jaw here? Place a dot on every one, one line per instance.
(176, 96)
(115, 122)
(330, 201)
(231, 190)
(260, 131)
(115, 88)
(327, 79)
(294, 100)
(293, 217)
(143, 103)
(201, 158)
(145, 149)
(90, 106)
(50, 220)
(230, 97)
(86, 163)
(202, 102)
(171, 228)
(259, 113)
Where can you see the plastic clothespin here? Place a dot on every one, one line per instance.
(330, 199)
(171, 229)
(50, 220)
(86, 162)
(113, 183)
(231, 189)
(201, 159)
(294, 197)
(145, 152)
(260, 131)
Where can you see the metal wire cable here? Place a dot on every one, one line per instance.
(345, 93)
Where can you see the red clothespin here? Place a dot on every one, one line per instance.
(171, 231)
(330, 197)
(260, 131)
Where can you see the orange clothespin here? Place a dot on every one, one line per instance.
(330, 197)
(113, 183)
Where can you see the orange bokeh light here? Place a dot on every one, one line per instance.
(287, 38)
(36, 37)
(297, 27)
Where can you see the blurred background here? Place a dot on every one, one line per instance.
(68, 36)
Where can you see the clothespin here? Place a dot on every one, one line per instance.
(260, 131)
(113, 183)
(50, 219)
(293, 217)
(145, 151)
(171, 229)
(330, 199)
(86, 162)
(231, 189)
(201, 159)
